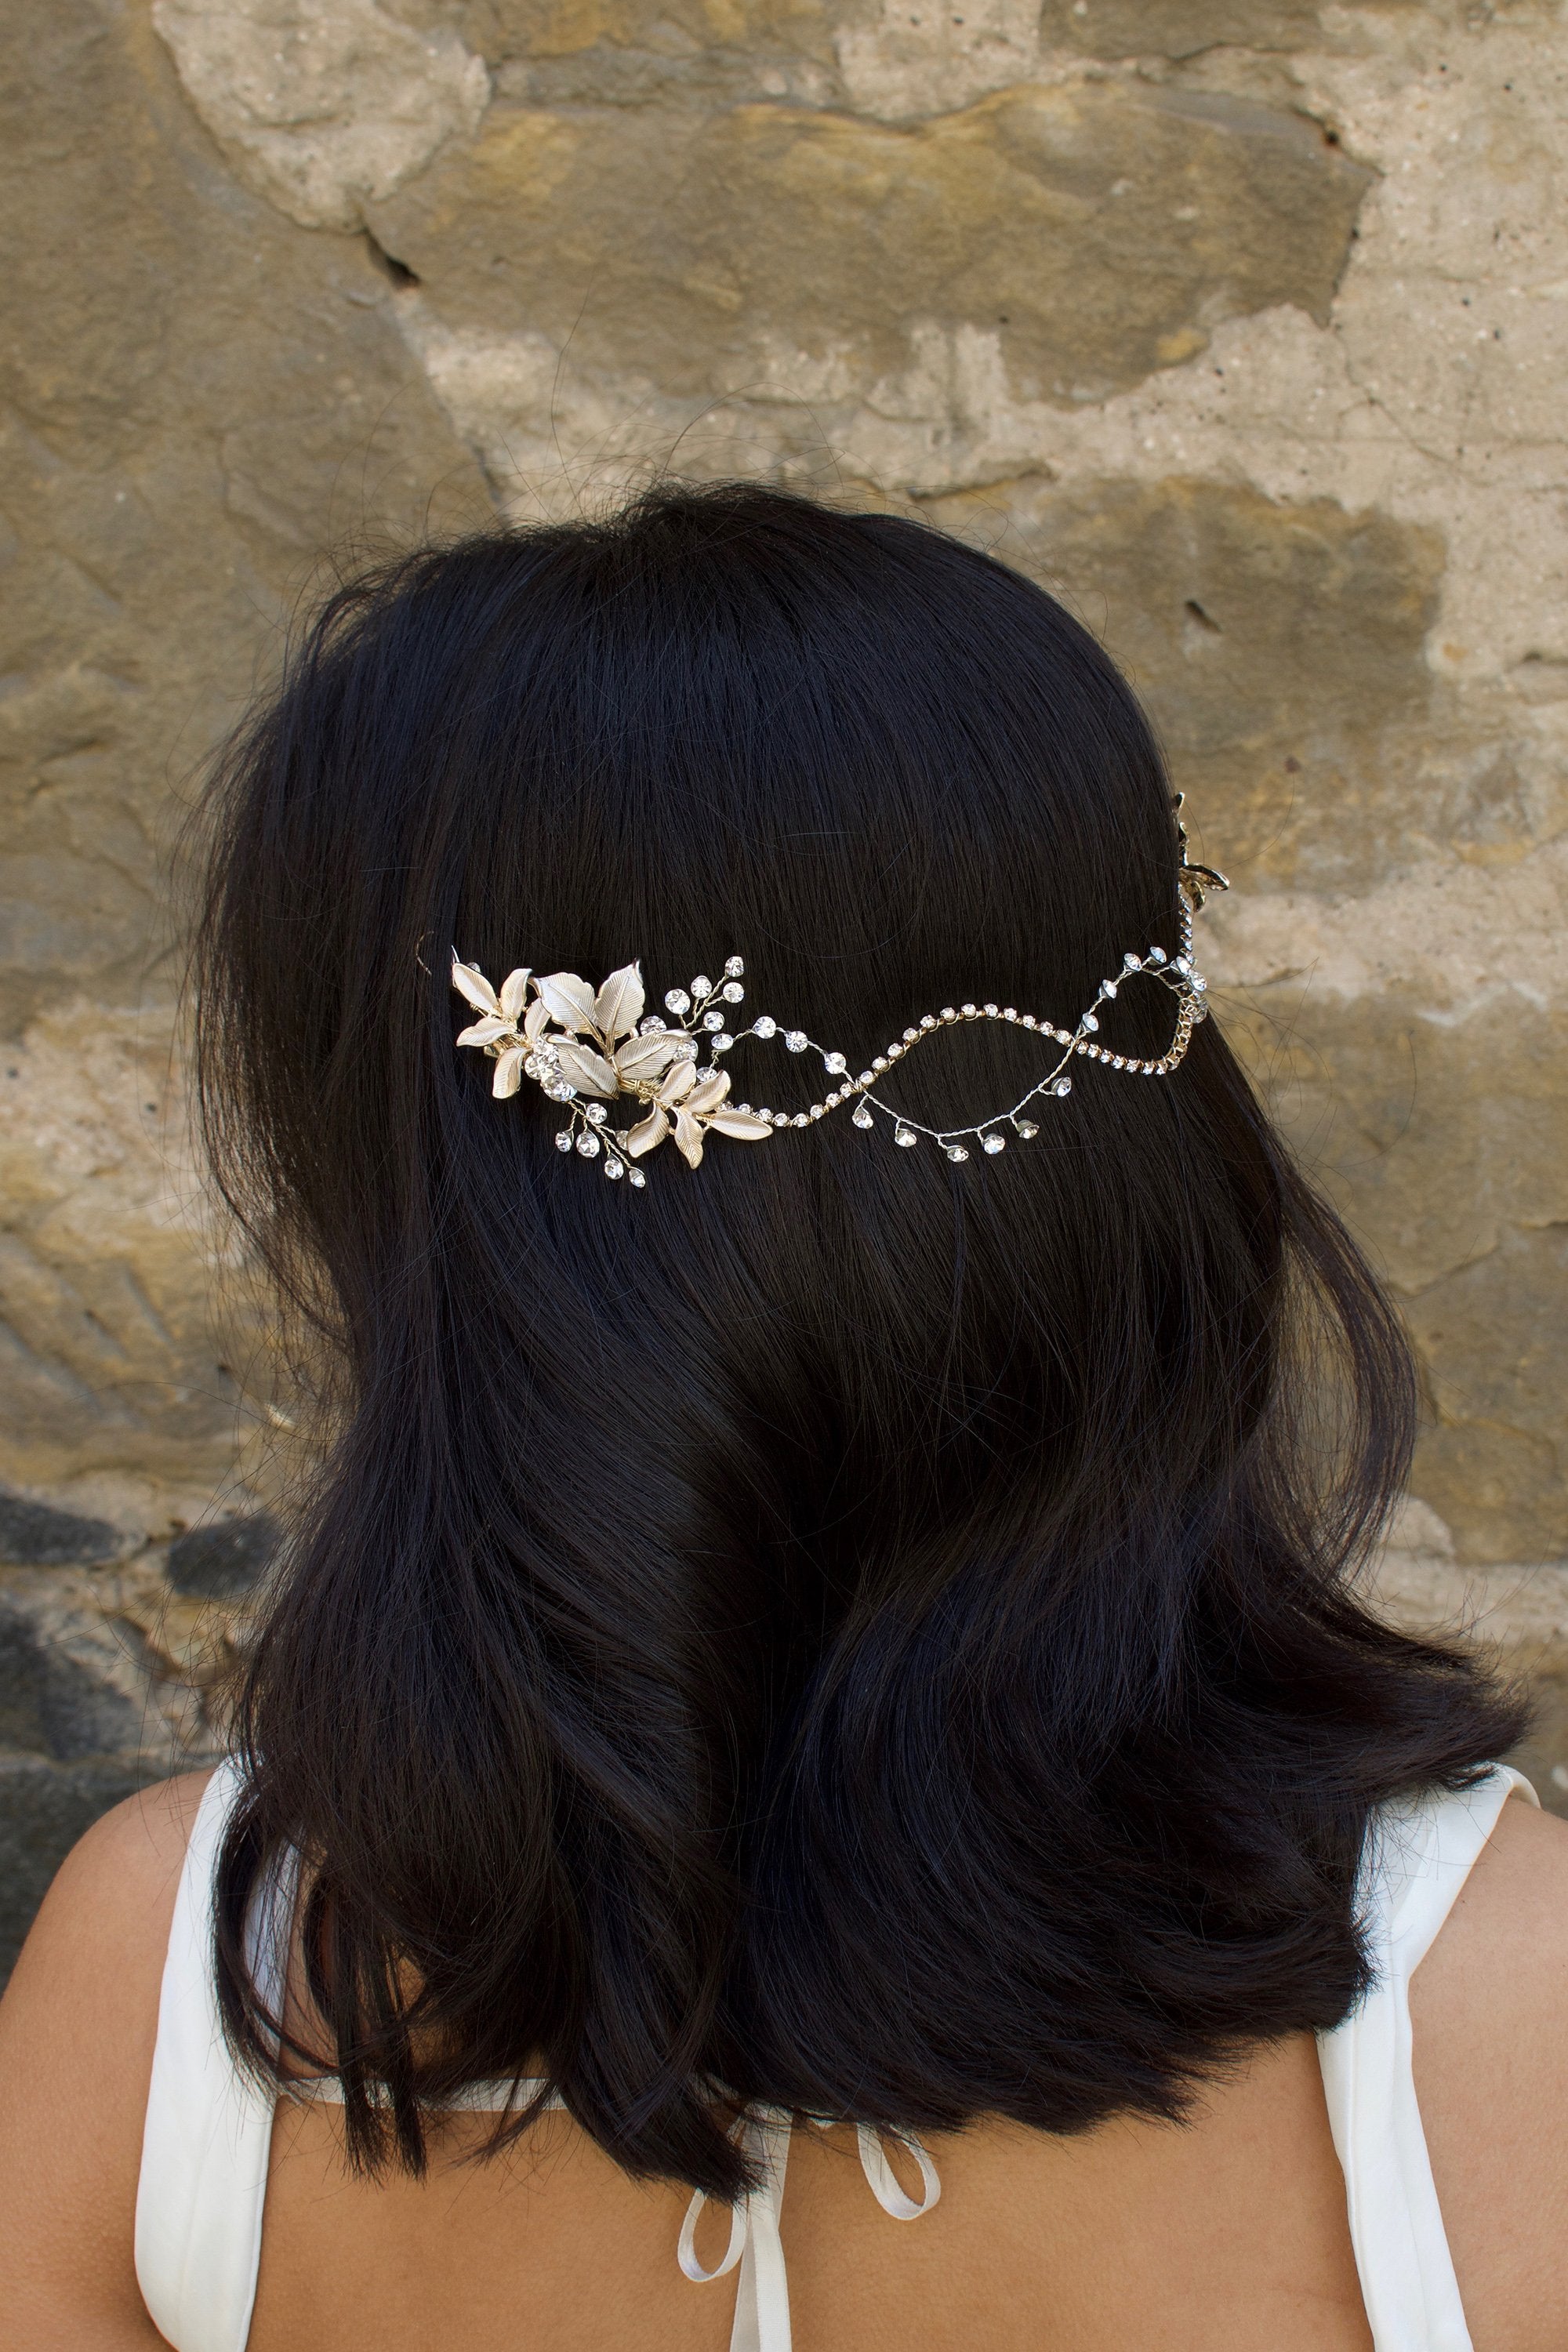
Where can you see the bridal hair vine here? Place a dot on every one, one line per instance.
(587, 1048)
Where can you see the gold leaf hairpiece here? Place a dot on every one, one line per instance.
(587, 1048)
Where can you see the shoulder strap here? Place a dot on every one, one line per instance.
(208, 2131)
(1416, 1861)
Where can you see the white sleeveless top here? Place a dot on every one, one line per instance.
(208, 2131)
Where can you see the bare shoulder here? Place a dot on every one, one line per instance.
(1489, 2009)
(78, 2024)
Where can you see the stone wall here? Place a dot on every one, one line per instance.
(1242, 325)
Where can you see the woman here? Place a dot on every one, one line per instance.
(826, 1632)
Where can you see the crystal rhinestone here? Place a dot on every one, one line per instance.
(949, 1013)
(534, 1067)
(686, 1050)
(702, 985)
(1026, 1128)
(969, 1012)
(1183, 965)
(781, 1118)
(910, 1036)
(1009, 1013)
(1089, 1021)
(878, 1061)
(956, 1151)
(894, 1050)
(994, 1142)
(650, 1024)
(564, 1139)
(1109, 989)
(677, 1001)
(1062, 1086)
(989, 1011)
(597, 1113)
(834, 1061)
(1156, 955)
(862, 1115)
(1117, 1062)
(712, 1020)
(1132, 962)
(614, 1167)
(905, 1135)
(732, 991)
(763, 1025)
(588, 1145)
(733, 968)
(1199, 982)
(638, 1178)
(796, 1040)
(799, 1119)
(864, 1079)
(558, 1090)
(1029, 1020)
(747, 1106)
(723, 1042)
(817, 1111)
(928, 1020)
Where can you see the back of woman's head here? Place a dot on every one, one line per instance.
(834, 1627)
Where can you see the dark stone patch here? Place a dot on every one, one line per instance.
(33, 1535)
(52, 1705)
(44, 1809)
(225, 1562)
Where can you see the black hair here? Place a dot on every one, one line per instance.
(834, 1628)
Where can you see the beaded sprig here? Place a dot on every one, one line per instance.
(588, 1047)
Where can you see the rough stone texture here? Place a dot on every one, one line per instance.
(1091, 231)
(322, 104)
(1243, 327)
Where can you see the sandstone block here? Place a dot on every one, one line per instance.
(321, 103)
(1277, 647)
(1097, 230)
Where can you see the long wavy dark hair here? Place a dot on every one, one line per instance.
(836, 1628)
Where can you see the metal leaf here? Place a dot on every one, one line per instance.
(689, 1138)
(513, 989)
(646, 1133)
(509, 1073)
(485, 1032)
(587, 1071)
(706, 1096)
(618, 1007)
(743, 1124)
(644, 1058)
(469, 981)
(679, 1083)
(570, 1000)
(536, 1018)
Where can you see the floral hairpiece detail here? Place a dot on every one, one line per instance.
(587, 1047)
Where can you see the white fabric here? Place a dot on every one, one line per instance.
(1417, 1861)
(208, 2131)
